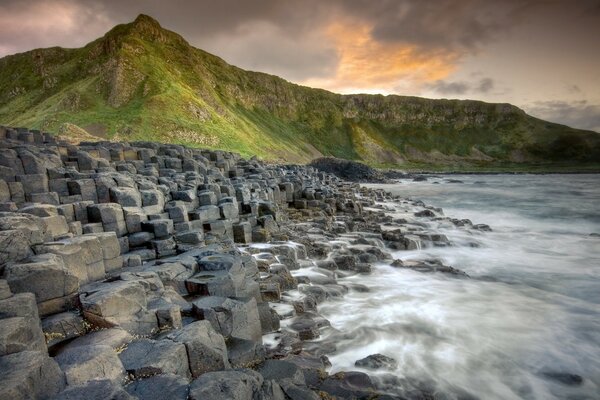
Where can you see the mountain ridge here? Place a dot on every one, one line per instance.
(141, 81)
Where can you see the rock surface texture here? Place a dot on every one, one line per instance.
(144, 270)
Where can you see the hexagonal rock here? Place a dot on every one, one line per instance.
(159, 387)
(71, 254)
(205, 347)
(19, 334)
(125, 196)
(109, 244)
(206, 213)
(119, 303)
(116, 338)
(95, 390)
(62, 326)
(44, 275)
(147, 357)
(13, 246)
(244, 353)
(5, 292)
(89, 363)
(32, 228)
(161, 228)
(227, 385)
(231, 317)
(280, 369)
(29, 375)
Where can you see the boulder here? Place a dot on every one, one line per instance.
(119, 303)
(95, 390)
(87, 363)
(205, 347)
(126, 196)
(14, 246)
(116, 338)
(159, 387)
(61, 327)
(245, 353)
(19, 334)
(30, 375)
(227, 385)
(44, 275)
(231, 317)
(146, 357)
(377, 361)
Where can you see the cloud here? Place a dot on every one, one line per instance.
(26, 25)
(442, 87)
(485, 85)
(573, 89)
(578, 114)
(365, 63)
(343, 45)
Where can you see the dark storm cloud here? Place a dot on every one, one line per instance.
(442, 87)
(485, 85)
(286, 37)
(578, 114)
(449, 24)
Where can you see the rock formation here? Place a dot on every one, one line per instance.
(146, 270)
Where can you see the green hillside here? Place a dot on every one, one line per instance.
(142, 82)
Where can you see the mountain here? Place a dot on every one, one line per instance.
(142, 82)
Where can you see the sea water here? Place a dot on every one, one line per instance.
(526, 324)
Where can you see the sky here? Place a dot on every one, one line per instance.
(541, 55)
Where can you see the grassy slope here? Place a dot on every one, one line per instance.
(142, 82)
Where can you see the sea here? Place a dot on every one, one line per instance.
(525, 324)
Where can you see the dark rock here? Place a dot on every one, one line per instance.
(29, 375)
(87, 363)
(227, 385)
(564, 377)
(205, 347)
(95, 390)
(348, 170)
(159, 387)
(377, 361)
(146, 357)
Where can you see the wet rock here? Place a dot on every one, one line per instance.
(377, 361)
(348, 385)
(244, 353)
(280, 370)
(425, 213)
(428, 266)
(564, 378)
(269, 319)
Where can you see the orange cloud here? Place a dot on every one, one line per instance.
(371, 66)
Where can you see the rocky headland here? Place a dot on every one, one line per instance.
(157, 271)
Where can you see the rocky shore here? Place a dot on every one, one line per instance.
(155, 271)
